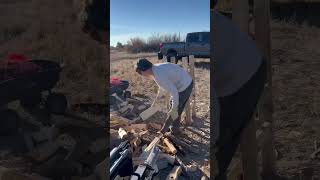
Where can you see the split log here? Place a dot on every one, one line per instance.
(164, 149)
(155, 141)
(137, 141)
(45, 133)
(204, 178)
(155, 126)
(175, 173)
(183, 145)
(136, 127)
(73, 120)
(122, 133)
(44, 151)
(205, 171)
(167, 142)
(115, 119)
(191, 168)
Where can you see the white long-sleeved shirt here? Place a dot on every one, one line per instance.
(171, 78)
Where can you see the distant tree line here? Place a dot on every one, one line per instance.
(151, 44)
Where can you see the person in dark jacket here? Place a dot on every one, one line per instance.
(238, 79)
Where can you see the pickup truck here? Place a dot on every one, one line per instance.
(197, 44)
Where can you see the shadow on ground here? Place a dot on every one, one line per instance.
(203, 65)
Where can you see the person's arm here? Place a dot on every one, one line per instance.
(171, 88)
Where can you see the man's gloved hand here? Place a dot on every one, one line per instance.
(173, 113)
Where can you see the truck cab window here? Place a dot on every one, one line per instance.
(193, 37)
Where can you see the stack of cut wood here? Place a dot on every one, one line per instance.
(68, 149)
(143, 137)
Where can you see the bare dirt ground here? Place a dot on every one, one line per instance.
(198, 133)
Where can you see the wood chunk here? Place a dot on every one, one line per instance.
(45, 133)
(191, 168)
(164, 149)
(155, 141)
(205, 171)
(155, 126)
(118, 119)
(44, 151)
(122, 133)
(175, 173)
(167, 142)
(143, 133)
(136, 127)
(137, 141)
(73, 120)
(204, 178)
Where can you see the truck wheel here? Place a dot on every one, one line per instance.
(31, 100)
(57, 103)
(9, 122)
(172, 54)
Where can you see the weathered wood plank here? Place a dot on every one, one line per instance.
(263, 38)
(248, 144)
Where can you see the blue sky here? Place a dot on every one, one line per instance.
(132, 18)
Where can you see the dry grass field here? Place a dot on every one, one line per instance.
(295, 64)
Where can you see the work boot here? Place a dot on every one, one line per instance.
(175, 127)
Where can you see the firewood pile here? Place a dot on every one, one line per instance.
(69, 147)
(143, 136)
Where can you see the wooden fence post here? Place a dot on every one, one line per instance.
(248, 144)
(187, 107)
(193, 95)
(263, 38)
